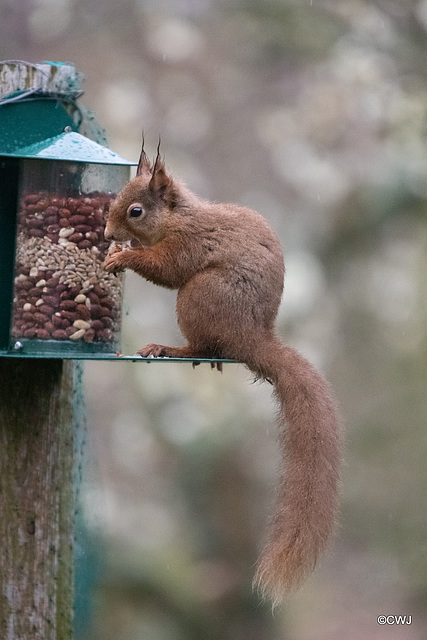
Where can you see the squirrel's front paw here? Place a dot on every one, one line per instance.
(112, 262)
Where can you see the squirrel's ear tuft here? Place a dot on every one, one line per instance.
(161, 184)
(144, 165)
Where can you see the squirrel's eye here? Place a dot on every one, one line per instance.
(135, 210)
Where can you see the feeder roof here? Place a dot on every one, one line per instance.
(70, 146)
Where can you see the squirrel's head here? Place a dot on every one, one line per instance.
(139, 213)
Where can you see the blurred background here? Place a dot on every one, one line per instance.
(313, 112)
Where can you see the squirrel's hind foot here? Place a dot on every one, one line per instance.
(161, 351)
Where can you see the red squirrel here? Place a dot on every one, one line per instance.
(228, 267)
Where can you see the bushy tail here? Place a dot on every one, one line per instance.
(310, 442)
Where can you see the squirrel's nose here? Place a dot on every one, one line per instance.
(108, 234)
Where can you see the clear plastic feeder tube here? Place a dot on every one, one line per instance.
(63, 298)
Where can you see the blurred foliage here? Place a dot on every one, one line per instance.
(314, 113)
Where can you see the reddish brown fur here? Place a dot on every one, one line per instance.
(227, 265)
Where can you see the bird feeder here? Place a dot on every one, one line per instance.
(56, 298)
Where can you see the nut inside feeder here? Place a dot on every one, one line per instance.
(63, 299)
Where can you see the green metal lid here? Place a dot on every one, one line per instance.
(70, 146)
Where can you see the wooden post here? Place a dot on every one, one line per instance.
(37, 452)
